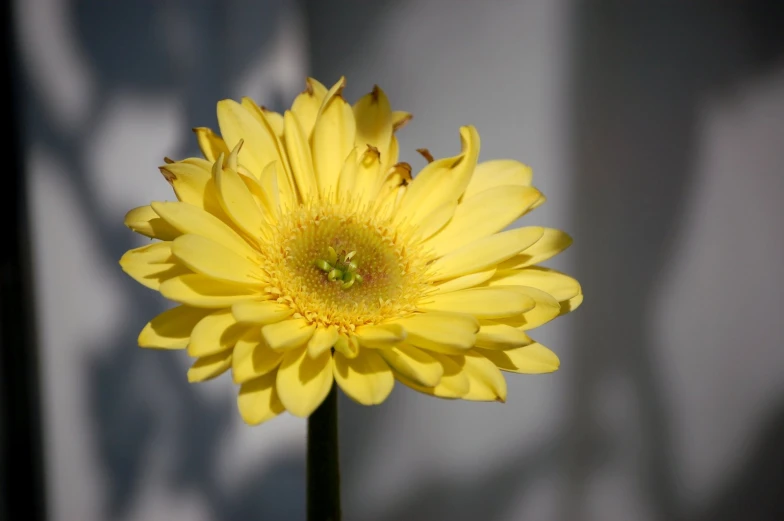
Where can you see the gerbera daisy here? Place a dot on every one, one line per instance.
(301, 254)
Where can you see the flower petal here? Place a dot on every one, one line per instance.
(499, 172)
(192, 183)
(373, 115)
(367, 379)
(238, 202)
(486, 383)
(562, 287)
(484, 253)
(288, 334)
(415, 364)
(145, 221)
(214, 333)
(436, 221)
(552, 243)
(210, 144)
(400, 119)
(190, 219)
(480, 302)
(381, 336)
(571, 304)
(172, 328)
(466, 281)
(152, 264)
(298, 150)
(441, 181)
(366, 176)
(453, 383)
(209, 367)
(500, 336)
(440, 332)
(530, 359)
(332, 139)
(258, 400)
(253, 358)
(347, 345)
(482, 215)
(303, 382)
(210, 258)
(306, 105)
(260, 312)
(237, 123)
(322, 340)
(202, 291)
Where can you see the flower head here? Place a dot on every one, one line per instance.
(301, 253)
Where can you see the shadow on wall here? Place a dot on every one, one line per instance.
(640, 72)
(150, 48)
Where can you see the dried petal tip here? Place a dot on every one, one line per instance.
(168, 160)
(375, 93)
(308, 87)
(167, 174)
(400, 119)
(426, 154)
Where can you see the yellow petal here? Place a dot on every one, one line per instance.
(441, 181)
(348, 175)
(265, 190)
(482, 215)
(562, 287)
(381, 336)
(392, 155)
(237, 123)
(484, 253)
(322, 340)
(400, 119)
(366, 379)
(211, 145)
(546, 308)
(366, 176)
(571, 304)
(440, 332)
(306, 105)
(500, 336)
(258, 400)
(303, 382)
(436, 221)
(238, 203)
(480, 302)
(552, 243)
(530, 359)
(264, 117)
(210, 258)
(298, 150)
(466, 281)
(192, 183)
(373, 115)
(205, 292)
(274, 119)
(208, 367)
(486, 383)
(288, 334)
(190, 219)
(145, 221)
(253, 358)
(499, 172)
(214, 333)
(415, 364)
(172, 328)
(347, 345)
(332, 139)
(152, 264)
(453, 383)
(260, 312)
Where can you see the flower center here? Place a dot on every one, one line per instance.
(343, 266)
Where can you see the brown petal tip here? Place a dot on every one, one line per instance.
(168, 160)
(375, 93)
(426, 154)
(402, 122)
(167, 174)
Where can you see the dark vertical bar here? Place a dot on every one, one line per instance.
(323, 473)
(21, 466)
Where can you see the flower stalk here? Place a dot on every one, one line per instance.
(323, 465)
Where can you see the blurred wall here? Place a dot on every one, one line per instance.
(653, 128)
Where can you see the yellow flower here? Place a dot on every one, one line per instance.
(302, 253)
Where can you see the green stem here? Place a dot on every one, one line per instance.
(323, 466)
